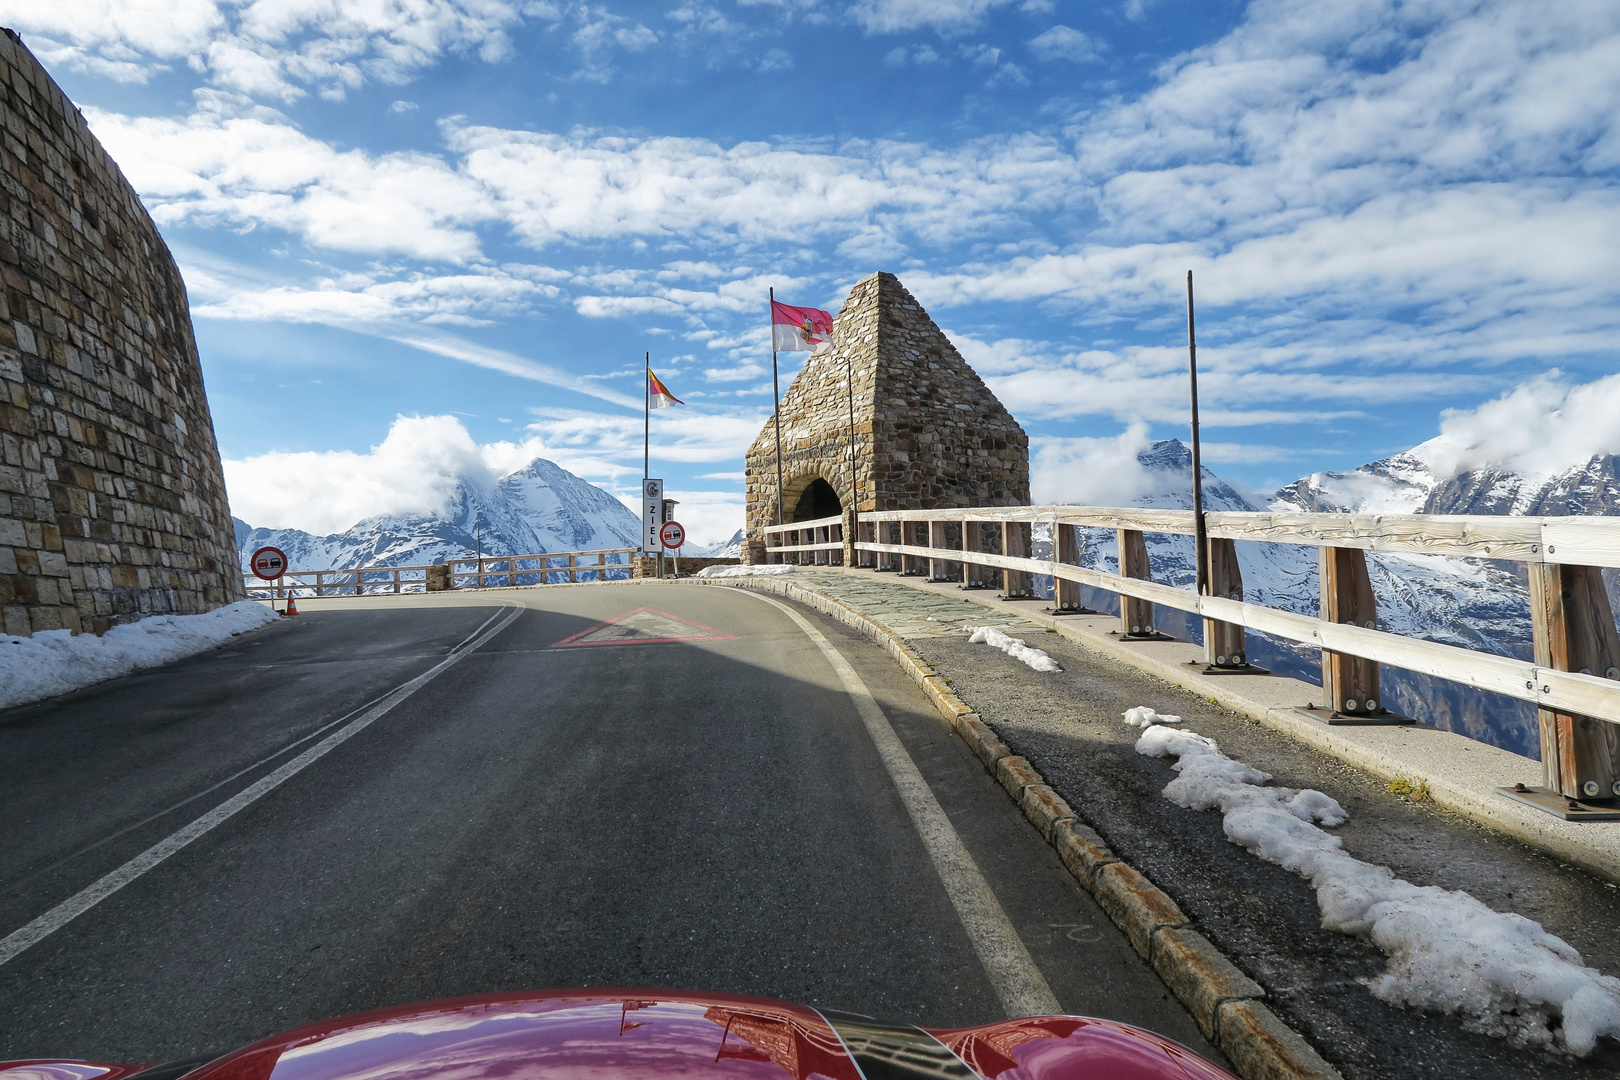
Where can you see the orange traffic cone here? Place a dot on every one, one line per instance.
(292, 605)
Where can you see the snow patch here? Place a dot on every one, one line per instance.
(768, 570)
(1143, 717)
(1013, 647)
(1502, 974)
(55, 661)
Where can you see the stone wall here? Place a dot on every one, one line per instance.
(112, 498)
(928, 433)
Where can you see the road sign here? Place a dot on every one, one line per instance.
(268, 563)
(652, 515)
(672, 535)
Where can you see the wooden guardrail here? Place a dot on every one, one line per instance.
(822, 540)
(375, 580)
(1573, 677)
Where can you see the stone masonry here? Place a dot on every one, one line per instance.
(112, 498)
(928, 433)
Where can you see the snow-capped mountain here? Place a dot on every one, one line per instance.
(540, 507)
(1478, 604)
(726, 549)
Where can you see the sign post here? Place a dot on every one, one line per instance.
(652, 515)
(672, 534)
(268, 564)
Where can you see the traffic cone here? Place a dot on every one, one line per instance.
(292, 605)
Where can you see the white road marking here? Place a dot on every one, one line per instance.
(79, 903)
(1017, 981)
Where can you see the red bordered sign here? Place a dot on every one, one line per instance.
(268, 563)
(672, 534)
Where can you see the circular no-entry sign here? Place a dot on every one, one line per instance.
(672, 534)
(268, 563)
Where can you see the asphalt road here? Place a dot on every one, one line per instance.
(703, 814)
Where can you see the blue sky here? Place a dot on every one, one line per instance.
(478, 214)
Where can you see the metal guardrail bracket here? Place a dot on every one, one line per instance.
(1381, 718)
(1550, 802)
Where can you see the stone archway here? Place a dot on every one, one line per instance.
(812, 497)
(818, 500)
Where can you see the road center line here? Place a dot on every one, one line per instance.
(1017, 981)
(59, 916)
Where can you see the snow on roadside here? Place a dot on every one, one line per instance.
(1013, 647)
(1503, 974)
(767, 570)
(55, 661)
(1144, 717)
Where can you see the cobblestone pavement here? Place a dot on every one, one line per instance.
(1264, 918)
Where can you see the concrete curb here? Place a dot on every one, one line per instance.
(1225, 1003)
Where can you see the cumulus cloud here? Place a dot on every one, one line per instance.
(1090, 471)
(1540, 427)
(413, 470)
(1064, 43)
(265, 48)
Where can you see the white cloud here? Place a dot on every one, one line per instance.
(1064, 43)
(709, 516)
(1540, 427)
(893, 16)
(581, 187)
(269, 48)
(1090, 471)
(249, 171)
(413, 470)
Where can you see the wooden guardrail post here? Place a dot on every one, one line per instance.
(1018, 584)
(972, 540)
(1574, 631)
(1135, 615)
(938, 569)
(1066, 544)
(1350, 682)
(1224, 644)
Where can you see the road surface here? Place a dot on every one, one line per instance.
(688, 796)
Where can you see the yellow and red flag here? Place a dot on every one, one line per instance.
(658, 395)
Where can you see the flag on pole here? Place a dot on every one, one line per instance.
(658, 394)
(801, 329)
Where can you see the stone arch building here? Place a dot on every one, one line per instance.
(112, 497)
(927, 432)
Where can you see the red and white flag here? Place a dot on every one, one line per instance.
(801, 329)
(658, 395)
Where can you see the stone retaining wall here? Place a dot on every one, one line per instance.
(112, 497)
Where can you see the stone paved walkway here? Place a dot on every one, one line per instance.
(909, 612)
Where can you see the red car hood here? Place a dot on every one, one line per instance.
(646, 1034)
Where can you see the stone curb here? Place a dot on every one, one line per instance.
(1224, 1002)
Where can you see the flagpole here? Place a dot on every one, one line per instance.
(1200, 533)
(776, 393)
(646, 418)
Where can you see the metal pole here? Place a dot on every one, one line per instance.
(776, 392)
(854, 484)
(1200, 535)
